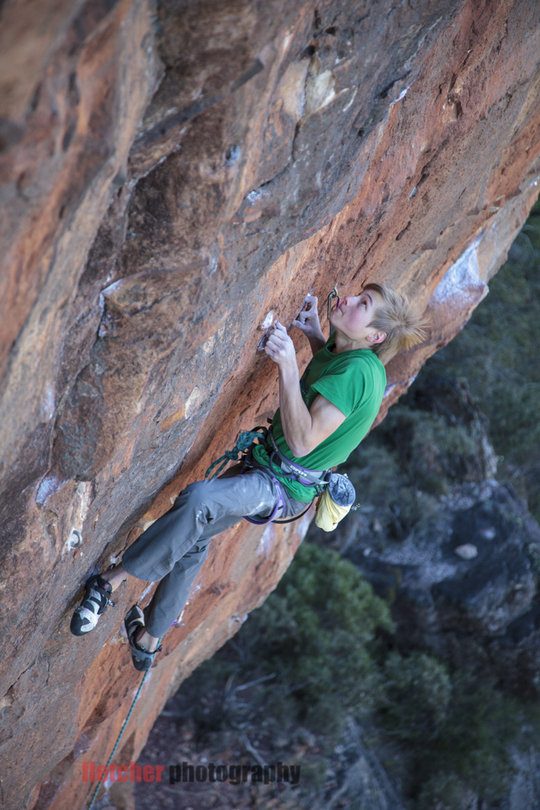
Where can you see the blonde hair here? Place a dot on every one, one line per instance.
(403, 325)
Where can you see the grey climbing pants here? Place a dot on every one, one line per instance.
(173, 549)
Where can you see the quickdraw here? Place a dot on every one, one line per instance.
(332, 294)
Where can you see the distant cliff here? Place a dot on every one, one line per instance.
(172, 173)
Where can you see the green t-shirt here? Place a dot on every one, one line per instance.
(354, 382)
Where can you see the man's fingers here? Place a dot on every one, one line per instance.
(276, 339)
(273, 351)
(309, 306)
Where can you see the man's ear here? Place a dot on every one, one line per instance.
(376, 337)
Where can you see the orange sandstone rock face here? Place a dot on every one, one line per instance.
(172, 175)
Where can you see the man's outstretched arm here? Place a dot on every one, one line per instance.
(304, 429)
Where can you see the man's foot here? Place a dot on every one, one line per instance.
(134, 622)
(86, 615)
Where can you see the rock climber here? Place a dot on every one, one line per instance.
(322, 417)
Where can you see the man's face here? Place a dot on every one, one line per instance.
(353, 314)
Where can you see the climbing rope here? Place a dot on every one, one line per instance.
(244, 441)
(126, 721)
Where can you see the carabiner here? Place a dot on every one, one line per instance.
(333, 294)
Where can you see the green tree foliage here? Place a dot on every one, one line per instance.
(317, 634)
(415, 698)
(455, 728)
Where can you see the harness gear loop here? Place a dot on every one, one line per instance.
(304, 475)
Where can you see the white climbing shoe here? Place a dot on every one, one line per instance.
(86, 615)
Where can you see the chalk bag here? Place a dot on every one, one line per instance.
(335, 502)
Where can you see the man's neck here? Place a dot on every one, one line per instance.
(344, 344)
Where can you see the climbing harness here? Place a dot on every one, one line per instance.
(284, 465)
(245, 442)
(335, 490)
(126, 721)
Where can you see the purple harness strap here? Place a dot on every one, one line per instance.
(280, 503)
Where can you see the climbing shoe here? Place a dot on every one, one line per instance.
(142, 659)
(86, 615)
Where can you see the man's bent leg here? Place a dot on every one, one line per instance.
(203, 509)
(173, 591)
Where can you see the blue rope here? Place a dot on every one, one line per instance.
(126, 721)
(243, 443)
